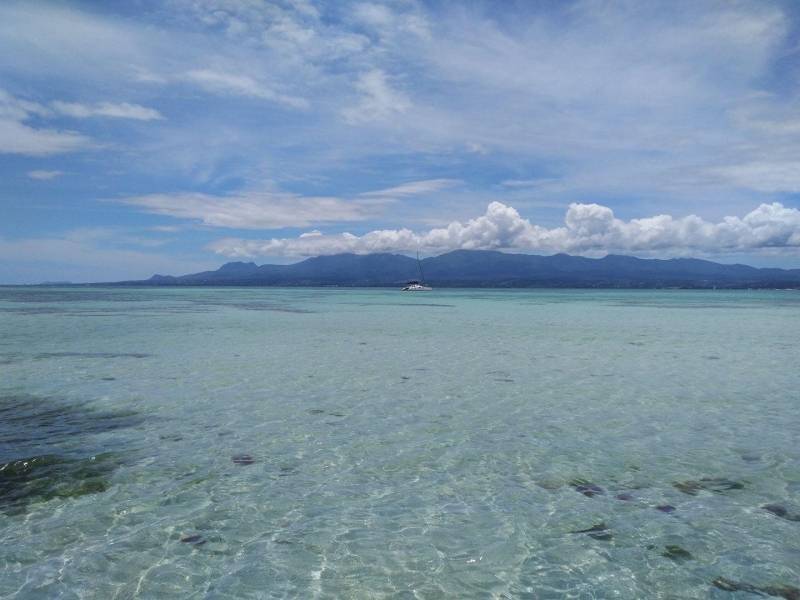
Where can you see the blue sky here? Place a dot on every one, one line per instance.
(140, 137)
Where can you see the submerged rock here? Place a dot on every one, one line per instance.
(587, 488)
(718, 485)
(665, 508)
(776, 509)
(625, 497)
(729, 585)
(787, 592)
(676, 553)
(598, 532)
(242, 459)
(781, 512)
(751, 457)
(194, 539)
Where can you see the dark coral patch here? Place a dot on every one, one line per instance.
(718, 485)
(787, 592)
(45, 477)
(48, 451)
(194, 539)
(676, 553)
(781, 512)
(587, 488)
(598, 532)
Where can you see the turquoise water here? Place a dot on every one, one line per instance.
(432, 445)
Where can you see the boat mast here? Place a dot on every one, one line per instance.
(419, 264)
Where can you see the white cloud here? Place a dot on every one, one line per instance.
(240, 85)
(256, 210)
(294, 29)
(563, 88)
(764, 176)
(44, 175)
(53, 40)
(275, 209)
(375, 15)
(588, 228)
(19, 109)
(415, 188)
(123, 110)
(17, 137)
(379, 101)
(392, 22)
(621, 99)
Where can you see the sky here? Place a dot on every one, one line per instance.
(141, 137)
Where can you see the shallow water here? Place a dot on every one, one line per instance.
(438, 445)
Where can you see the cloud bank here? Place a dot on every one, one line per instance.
(588, 228)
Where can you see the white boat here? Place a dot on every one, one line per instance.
(417, 286)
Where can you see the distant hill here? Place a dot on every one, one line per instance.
(480, 268)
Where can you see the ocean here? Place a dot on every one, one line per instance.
(368, 443)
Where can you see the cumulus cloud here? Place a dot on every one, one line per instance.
(588, 228)
(122, 110)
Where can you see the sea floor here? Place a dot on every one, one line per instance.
(329, 443)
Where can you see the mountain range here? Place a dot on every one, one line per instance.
(481, 268)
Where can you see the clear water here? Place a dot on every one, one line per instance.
(430, 445)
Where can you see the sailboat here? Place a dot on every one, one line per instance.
(417, 286)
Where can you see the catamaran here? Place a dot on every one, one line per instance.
(417, 286)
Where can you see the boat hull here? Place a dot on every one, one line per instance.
(416, 288)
